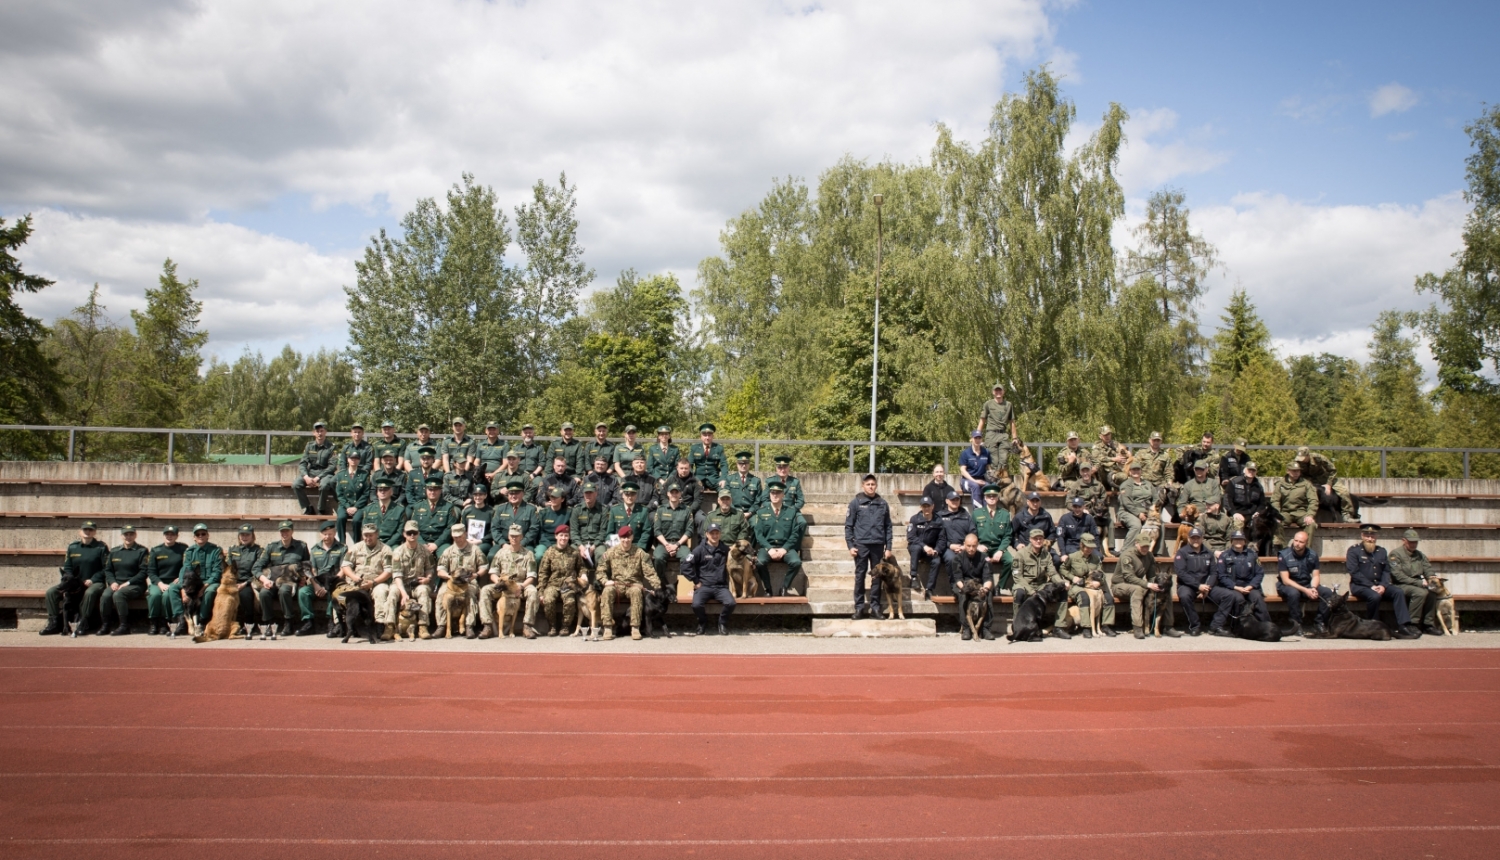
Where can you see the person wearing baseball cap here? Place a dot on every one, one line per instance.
(1370, 580)
(1035, 567)
(463, 563)
(1135, 499)
(957, 524)
(411, 455)
(281, 590)
(242, 559)
(1135, 577)
(732, 524)
(707, 567)
(624, 453)
(1073, 525)
(513, 576)
(662, 455)
(924, 545)
(459, 450)
(531, 453)
(1088, 585)
(83, 565)
(387, 443)
(357, 444)
(997, 423)
(1070, 458)
(1410, 569)
(626, 571)
(1031, 516)
(316, 471)
(1194, 565)
(1296, 499)
(1244, 495)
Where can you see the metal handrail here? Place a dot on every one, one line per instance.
(755, 444)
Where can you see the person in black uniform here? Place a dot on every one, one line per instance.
(706, 569)
(241, 557)
(1033, 516)
(970, 566)
(82, 568)
(125, 580)
(287, 550)
(1194, 566)
(1370, 580)
(924, 543)
(1244, 495)
(1237, 579)
(1298, 575)
(957, 525)
(1073, 525)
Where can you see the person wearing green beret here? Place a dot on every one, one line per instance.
(794, 498)
(745, 488)
(435, 516)
(207, 559)
(83, 566)
(707, 459)
(625, 452)
(570, 448)
(327, 558)
(353, 495)
(662, 457)
(163, 568)
(125, 580)
(271, 592)
(242, 558)
(387, 443)
(385, 513)
(411, 455)
(778, 537)
(357, 444)
(316, 471)
(418, 478)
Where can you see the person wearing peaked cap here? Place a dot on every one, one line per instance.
(367, 566)
(596, 447)
(1073, 525)
(1296, 499)
(240, 558)
(706, 457)
(992, 527)
(626, 571)
(624, 453)
(672, 528)
(479, 509)
(957, 524)
(629, 512)
(515, 510)
(1089, 586)
(385, 513)
(1369, 568)
(924, 544)
(973, 468)
(1237, 580)
(589, 528)
(733, 526)
(434, 515)
(1410, 569)
(123, 579)
(1194, 566)
(748, 491)
(426, 470)
(778, 534)
(274, 587)
(793, 496)
(411, 454)
(868, 537)
(1135, 499)
(1244, 495)
(206, 558)
(1299, 578)
(163, 572)
(352, 492)
(662, 455)
(327, 560)
(317, 471)
(1200, 490)
(83, 565)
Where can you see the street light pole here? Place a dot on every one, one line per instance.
(875, 364)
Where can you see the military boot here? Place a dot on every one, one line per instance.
(488, 632)
(529, 632)
(53, 628)
(122, 630)
(306, 629)
(388, 634)
(635, 633)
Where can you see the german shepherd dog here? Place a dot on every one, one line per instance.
(192, 604)
(507, 605)
(973, 609)
(1029, 620)
(1031, 471)
(1447, 616)
(1158, 601)
(408, 620)
(588, 608)
(742, 579)
(456, 604)
(1095, 609)
(1344, 624)
(891, 584)
(1263, 526)
(359, 608)
(655, 615)
(225, 622)
(1247, 626)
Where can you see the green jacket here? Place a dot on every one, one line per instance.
(794, 497)
(484, 514)
(1134, 568)
(747, 493)
(527, 515)
(571, 451)
(1156, 468)
(1295, 499)
(1217, 529)
(434, 522)
(318, 461)
(1201, 493)
(458, 450)
(709, 466)
(594, 449)
(128, 566)
(1032, 570)
(547, 522)
(416, 483)
(208, 560)
(625, 455)
(387, 524)
(327, 560)
(672, 523)
(491, 456)
(275, 553)
(1136, 497)
(363, 448)
(993, 531)
(379, 448)
(414, 460)
(733, 526)
(85, 562)
(778, 531)
(590, 526)
(639, 521)
(1081, 568)
(533, 456)
(242, 560)
(353, 491)
(662, 464)
(1409, 568)
(164, 564)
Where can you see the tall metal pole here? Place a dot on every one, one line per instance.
(875, 364)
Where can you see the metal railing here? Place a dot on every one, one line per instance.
(756, 446)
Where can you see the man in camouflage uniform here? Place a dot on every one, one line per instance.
(1320, 471)
(1296, 499)
(317, 471)
(1156, 462)
(1087, 584)
(661, 458)
(367, 566)
(414, 574)
(672, 530)
(1109, 458)
(1136, 498)
(513, 574)
(1071, 458)
(625, 570)
(562, 580)
(463, 560)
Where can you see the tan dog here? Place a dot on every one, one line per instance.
(1034, 480)
(588, 608)
(1447, 614)
(1095, 588)
(455, 597)
(508, 607)
(891, 582)
(1189, 514)
(225, 621)
(407, 621)
(742, 579)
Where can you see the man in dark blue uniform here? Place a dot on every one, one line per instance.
(1237, 579)
(1194, 566)
(706, 569)
(1370, 580)
(924, 544)
(1298, 575)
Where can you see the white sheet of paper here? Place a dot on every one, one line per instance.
(477, 529)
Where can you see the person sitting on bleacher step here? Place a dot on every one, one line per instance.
(316, 471)
(163, 591)
(1369, 570)
(83, 566)
(286, 550)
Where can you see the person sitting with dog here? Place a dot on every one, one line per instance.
(1369, 570)
(707, 568)
(207, 559)
(973, 469)
(588, 524)
(83, 566)
(992, 525)
(867, 535)
(778, 538)
(413, 570)
(327, 558)
(1237, 580)
(241, 558)
(1410, 568)
(970, 574)
(367, 567)
(1086, 582)
(924, 543)
(1297, 570)
(1199, 491)
(513, 575)
(464, 562)
(561, 579)
(286, 549)
(1033, 568)
(1135, 576)
(957, 525)
(1194, 566)
(625, 570)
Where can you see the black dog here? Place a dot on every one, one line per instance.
(657, 602)
(1029, 619)
(1166, 500)
(1264, 524)
(359, 607)
(1344, 624)
(192, 604)
(1247, 626)
(1155, 600)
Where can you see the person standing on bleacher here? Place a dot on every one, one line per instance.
(316, 471)
(83, 566)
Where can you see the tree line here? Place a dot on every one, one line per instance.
(998, 265)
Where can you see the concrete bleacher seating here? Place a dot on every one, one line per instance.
(42, 506)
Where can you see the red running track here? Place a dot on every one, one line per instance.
(163, 754)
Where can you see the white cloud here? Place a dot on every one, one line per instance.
(1154, 153)
(1392, 98)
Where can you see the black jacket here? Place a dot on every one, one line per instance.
(1238, 569)
(970, 568)
(868, 522)
(957, 525)
(1194, 567)
(1244, 496)
(924, 532)
(706, 565)
(1070, 529)
(1025, 521)
(1368, 569)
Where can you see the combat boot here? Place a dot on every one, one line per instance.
(306, 629)
(122, 630)
(551, 630)
(471, 633)
(389, 633)
(635, 633)
(488, 632)
(702, 629)
(529, 632)
(103, 629)
(1140, 633)
(53, 628)
(723, 630)
(609, 633)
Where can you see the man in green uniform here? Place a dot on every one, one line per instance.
(1156, 462)
(733, 525)
(778, 537)
(629, 512)
(531, 453)
(597, 447)
(459, 450)
(1217, 525)
(795, 498)
(1095, 502)
(1296, 499)
(387, 472)
(353, 494)
(706, 457)
(513, 574)
(745, 488)
(412, 453)
(661, 458)
(1320, 471)
(1034, 569)
(1087, 585)
(625, 570)
(384, 513)
(357, 444)
(672, 528)
(992, 525)
(327, 559)
(1200, 491)
(589, 524)
(163, 566)
(387, 443)
(207, 558)
(1136, 498)
(562, 579)
(416, 479)
(435, 516)
(83, 566)
(1070, 459)
(570, 448)
(270, 592)
(515, 511)
(490, 451)
(997, 421)
(510, 471)
(1133, 579)
(1109, 458)
(124, 580)
(624, 453)
(316, 471)
(554, 514)
(413, 579)
(1410, 568)
(242, 557)
(465, 560)
(479, 509)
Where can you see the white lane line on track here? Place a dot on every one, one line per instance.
(935, 777)
(893, 732)
(607, 701)
(750, 843)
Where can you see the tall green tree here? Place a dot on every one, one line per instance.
(1248, 390)
(1317, 385)
(1179, 262)
(31, 385)
(555, 273)
(642, 346)
(164, 378)
(94, 355)
(289, 392)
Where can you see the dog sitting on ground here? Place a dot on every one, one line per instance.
(455, 596)
(1447, 616)
(974, 609)
(359, 608)
(192, 604)
(1188, 519)
(225, 622)
(1344, 624)
(1029, 619)
(1158, 601)
(655, 614)
(1247, 626)
(507, 605)
(408, 620)
(1095, 609)
(890, 582)
(742, 579)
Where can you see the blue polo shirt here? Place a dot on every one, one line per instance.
(976, 464)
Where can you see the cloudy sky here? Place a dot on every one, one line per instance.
(260, 144)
